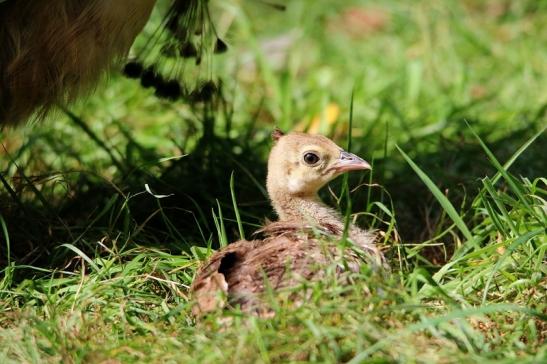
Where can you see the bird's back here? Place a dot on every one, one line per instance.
(241, 272)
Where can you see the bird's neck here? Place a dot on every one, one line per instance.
(307, 210)
(310, 211)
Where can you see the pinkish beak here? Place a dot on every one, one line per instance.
(349, 162)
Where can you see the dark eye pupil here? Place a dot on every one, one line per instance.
(311, 158)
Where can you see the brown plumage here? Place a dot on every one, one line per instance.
(301, 243)
(53, 51)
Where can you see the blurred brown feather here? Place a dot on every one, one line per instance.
(54, 51)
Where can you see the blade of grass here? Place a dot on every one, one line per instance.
(219, 224)
(236, 210)
(345, 185)
(6, 236)
(10, 268)
(503, 171)
(497, 200)
(445, 203)
(83, 256)
(517, 154)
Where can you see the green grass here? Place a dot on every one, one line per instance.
(449, 105)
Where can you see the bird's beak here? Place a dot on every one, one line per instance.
(349, 162)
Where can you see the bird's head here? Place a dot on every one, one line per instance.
(300, 164)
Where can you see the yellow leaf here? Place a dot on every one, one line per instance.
(320, 124)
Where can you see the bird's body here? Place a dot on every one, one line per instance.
(301, 243)
(238, 272)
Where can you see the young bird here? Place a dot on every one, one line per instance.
(298, 166)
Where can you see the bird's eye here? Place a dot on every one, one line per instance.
(311, 158)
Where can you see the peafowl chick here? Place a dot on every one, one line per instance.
(293, 249)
